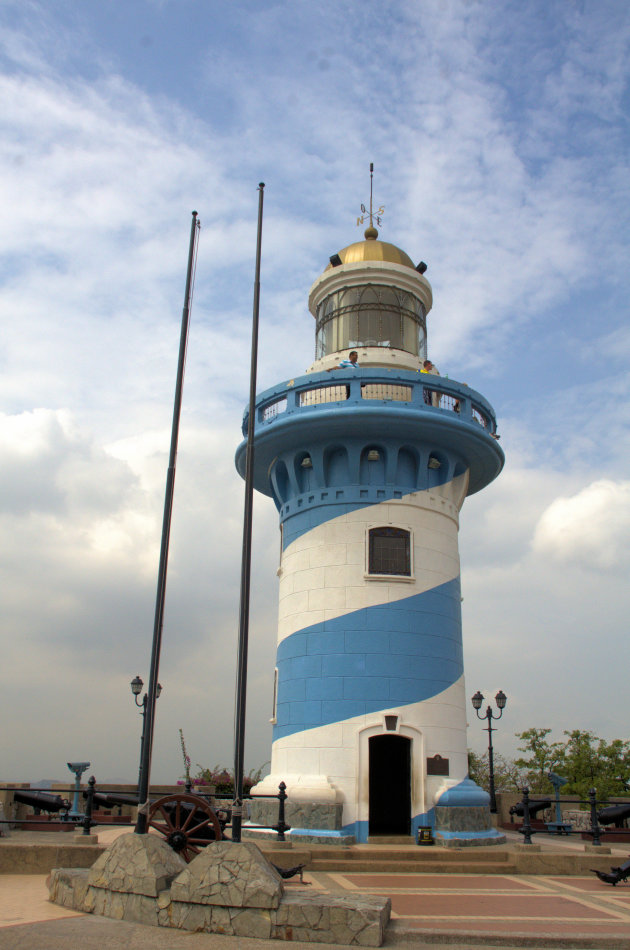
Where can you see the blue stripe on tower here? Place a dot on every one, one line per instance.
(369, 660)
(313, 511)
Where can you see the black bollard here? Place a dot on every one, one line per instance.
(282, 826)
(526, 827)
(595, 829)
(89, 802)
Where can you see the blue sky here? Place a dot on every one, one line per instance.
(499, 134)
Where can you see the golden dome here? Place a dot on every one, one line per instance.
(374, 250)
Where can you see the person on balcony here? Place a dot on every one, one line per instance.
(430, 397)
(350, 363)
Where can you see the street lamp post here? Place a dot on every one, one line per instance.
(501, 700)
(136, 688)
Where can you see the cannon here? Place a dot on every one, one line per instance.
(111, 800)
(534, 808)
(614, 814)
(187, 822)
(41, 801)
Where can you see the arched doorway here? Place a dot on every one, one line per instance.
(390, 785)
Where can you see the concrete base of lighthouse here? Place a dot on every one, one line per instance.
(460, 816)
(314, 809)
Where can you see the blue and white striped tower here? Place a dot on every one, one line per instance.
(369, 468)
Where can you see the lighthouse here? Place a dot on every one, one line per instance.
(369, 458)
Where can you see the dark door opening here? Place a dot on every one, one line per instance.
(390, 785)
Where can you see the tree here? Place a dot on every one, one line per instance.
(590, 762)
(584, 759)
(543, 758)
(507, 776)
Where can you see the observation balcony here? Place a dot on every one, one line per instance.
(380, 407)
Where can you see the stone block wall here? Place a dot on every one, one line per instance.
(228, 888)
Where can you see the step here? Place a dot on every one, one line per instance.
(418, 855)
(412, 867)
(403, 840)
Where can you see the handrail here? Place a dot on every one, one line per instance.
(409, 391)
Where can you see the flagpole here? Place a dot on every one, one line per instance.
(243, 635)
(147, 745)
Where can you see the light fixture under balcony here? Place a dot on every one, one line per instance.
(307, 462)
(373, 455)
(434, 462)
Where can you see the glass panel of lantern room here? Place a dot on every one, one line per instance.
(328, 337)
(342, 335)
(403, 301)
(369, 323)
(392, 331)
(412, 335)
(421, 330)
(348, 304)
(320, 330)
(422, 343)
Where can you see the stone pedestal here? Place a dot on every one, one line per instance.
(80, 838)
(463, 818)
(228, 888)
(136, 864)
(229, 874)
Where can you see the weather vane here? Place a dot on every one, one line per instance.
(372, 215)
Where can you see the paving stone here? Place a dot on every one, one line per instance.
(229, 874)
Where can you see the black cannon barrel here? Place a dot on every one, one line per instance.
(614, 814)
(112, 799)
(534, 808)
(44, 801)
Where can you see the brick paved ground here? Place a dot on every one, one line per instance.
(460, 910)
(567, 907)
(463, 910)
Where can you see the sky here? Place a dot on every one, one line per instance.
(499, 135)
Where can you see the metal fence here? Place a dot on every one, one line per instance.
(43, 800)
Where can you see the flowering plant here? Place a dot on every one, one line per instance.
(219, 776)
(223, 779)
(186, 757)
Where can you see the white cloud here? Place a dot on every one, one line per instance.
(591, 528)
(491, 171)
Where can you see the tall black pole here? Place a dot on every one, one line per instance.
(147, 743)
(501, 700)
(493, 794)
(144, 724)
(243, 627)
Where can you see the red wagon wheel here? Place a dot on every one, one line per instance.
(185, 829)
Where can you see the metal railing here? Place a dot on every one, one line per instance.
(323, 394)
(410, 391)
(274, 409)
(90, 795)
(595, 830)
